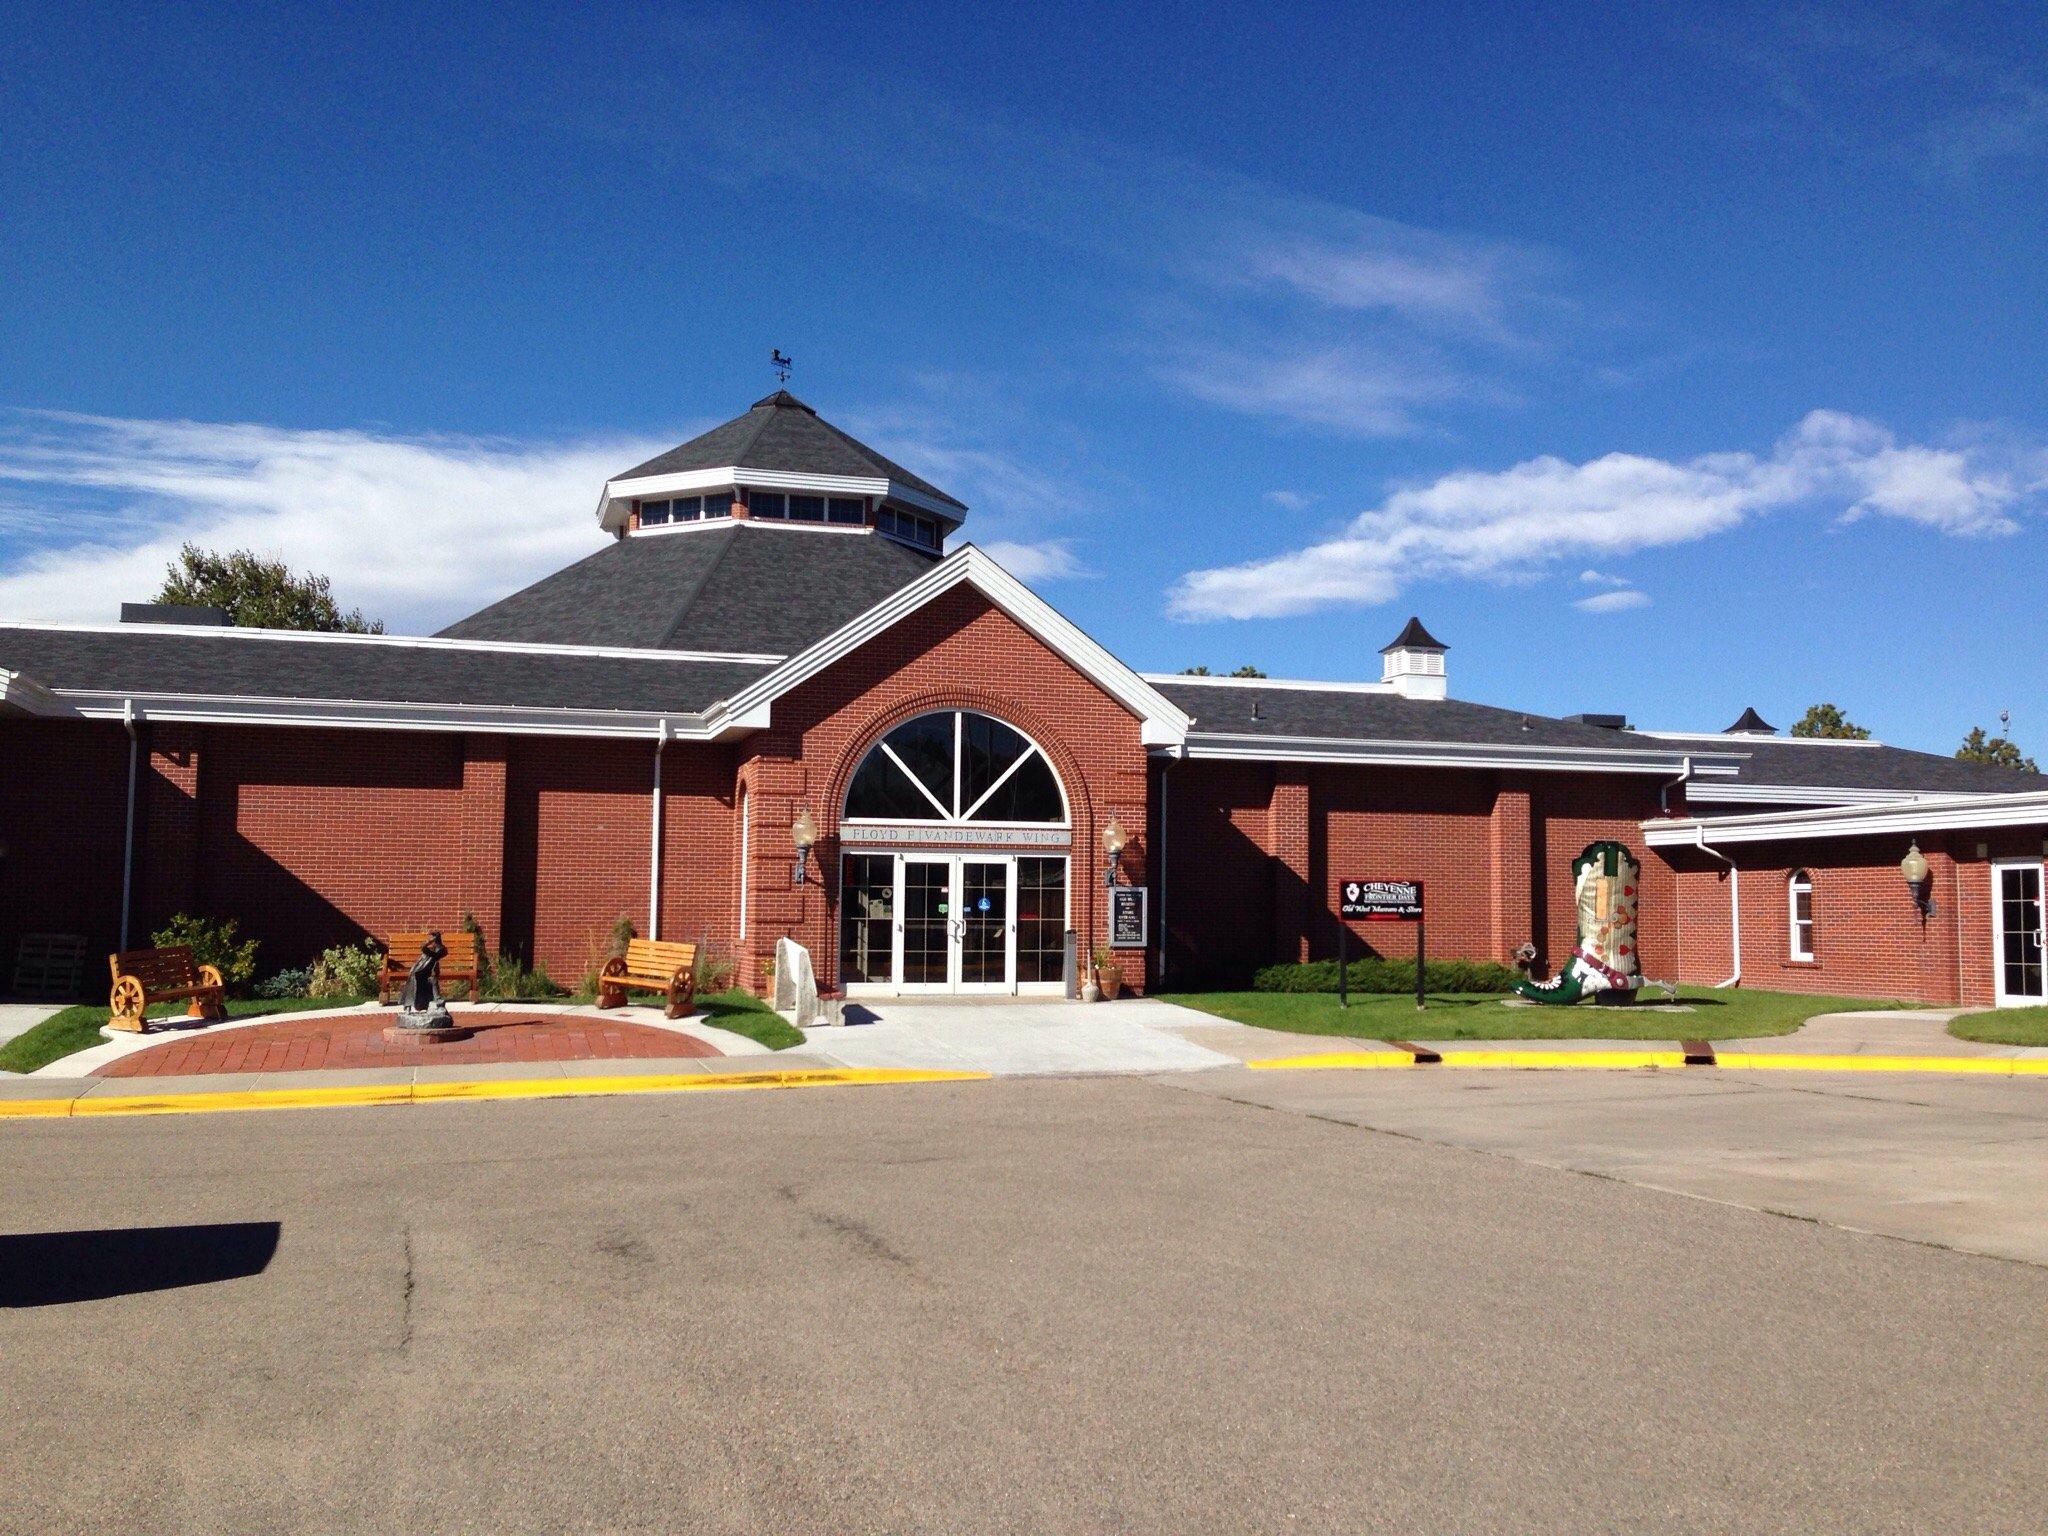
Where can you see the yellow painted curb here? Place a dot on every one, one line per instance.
(494, 1088)
(1774, 1061)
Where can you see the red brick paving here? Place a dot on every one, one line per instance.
(357, 1040)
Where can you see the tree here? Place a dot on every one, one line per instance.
(1995, 750)
(1247, 670)
(258, 593)
(1827, 721)
(1194, 671)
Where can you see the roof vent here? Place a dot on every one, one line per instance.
(1751, 724)
(1413, 663)
(174, 613)
(1605, 722)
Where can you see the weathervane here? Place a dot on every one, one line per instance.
(780, 364)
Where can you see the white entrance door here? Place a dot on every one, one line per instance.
(2016, 937)
(953, 922)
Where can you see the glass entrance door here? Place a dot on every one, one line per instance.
(925, 928)
(970, 922)
(985, 934)
(2017, 932)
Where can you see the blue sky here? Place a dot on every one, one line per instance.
(1662, 362)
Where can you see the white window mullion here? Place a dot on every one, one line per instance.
(959, 745)
(944, 814)
(1001, 779)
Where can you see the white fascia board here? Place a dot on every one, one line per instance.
(21, 694)
(389, 715)
(230, 632)
(612, 506)
(1442, 754)
(1162, 724)
(1802, 794)
(1936, 813)
(1269, 684)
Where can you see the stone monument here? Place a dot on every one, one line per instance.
(796, 984)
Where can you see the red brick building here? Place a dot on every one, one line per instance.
(776, 640)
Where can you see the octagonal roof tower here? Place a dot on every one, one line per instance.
(780, 462)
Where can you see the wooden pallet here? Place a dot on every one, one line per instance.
(49, 965)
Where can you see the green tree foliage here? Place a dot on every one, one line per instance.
(1247, 670)
(258, 593)
(1827, 721)
(211, 943)
(1995, 750)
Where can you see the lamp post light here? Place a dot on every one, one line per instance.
(804, 833)
(1113, 839)
(1913, 867)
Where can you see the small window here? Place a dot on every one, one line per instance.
(718, 504)
(768, 504)
(846, 509)
(1799, 915)
(653, 513)
(807, 509)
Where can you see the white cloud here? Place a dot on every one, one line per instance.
(1594, 578)
(1048, 560)
(1519, 522)
(1293, 501)
(1617, 601)
(416, 530)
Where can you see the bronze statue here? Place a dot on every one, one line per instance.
(420, 1005)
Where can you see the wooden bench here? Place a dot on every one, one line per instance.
(402, 949)
(651, 966)
(145, 976)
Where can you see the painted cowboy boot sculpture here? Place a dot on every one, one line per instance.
(1606, 880)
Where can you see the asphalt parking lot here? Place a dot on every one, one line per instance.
(1209, 1302)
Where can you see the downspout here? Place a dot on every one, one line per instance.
(1734, 905)
(654, 840)
(128, 835)
(1165, 800)
(1664, 790)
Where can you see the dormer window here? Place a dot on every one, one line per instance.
(685, 509)
(848, 511)
(909, 527)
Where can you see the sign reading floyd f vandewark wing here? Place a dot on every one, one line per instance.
(1381, 901)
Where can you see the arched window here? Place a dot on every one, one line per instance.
(1799, 915)
(956, 766)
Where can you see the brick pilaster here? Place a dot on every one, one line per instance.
(1513, 875)
(482, 850)
(168, 830)
(1287, 837)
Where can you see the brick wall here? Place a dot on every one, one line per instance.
(63, 803)
(1869, 940)
(958, 652)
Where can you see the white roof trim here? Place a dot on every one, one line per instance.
(413, 642)
(1291, 684)
(1804, 794)
(1752, 736)
(612, 505)
(21, 694)
(1936, 813)
(389, 715)
(1444, 754)
(1162, 724)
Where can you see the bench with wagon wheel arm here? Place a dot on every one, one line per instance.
(402, 949)
(649, 965)
(145, 976)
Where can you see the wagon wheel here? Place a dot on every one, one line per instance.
(126, 1002)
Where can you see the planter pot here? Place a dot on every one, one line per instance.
(1112, 985)
(1091, 993)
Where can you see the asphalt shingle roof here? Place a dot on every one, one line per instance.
(781, 433)
(737, 586)
(252, 664)
(1304, 712)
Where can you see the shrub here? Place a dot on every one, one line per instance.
(1373, 974)
(347, 970)
(601, 952)
(484, 959)
(292, 983)
(715, 968)
(511, 981)
(211, 943)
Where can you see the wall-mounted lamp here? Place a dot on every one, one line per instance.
(804, 833)
(1113, 839)
(1914, 868)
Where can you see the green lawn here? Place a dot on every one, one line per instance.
(2003, 1026)
(745, 1014)
(1716, 1015)
(78, 1026)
